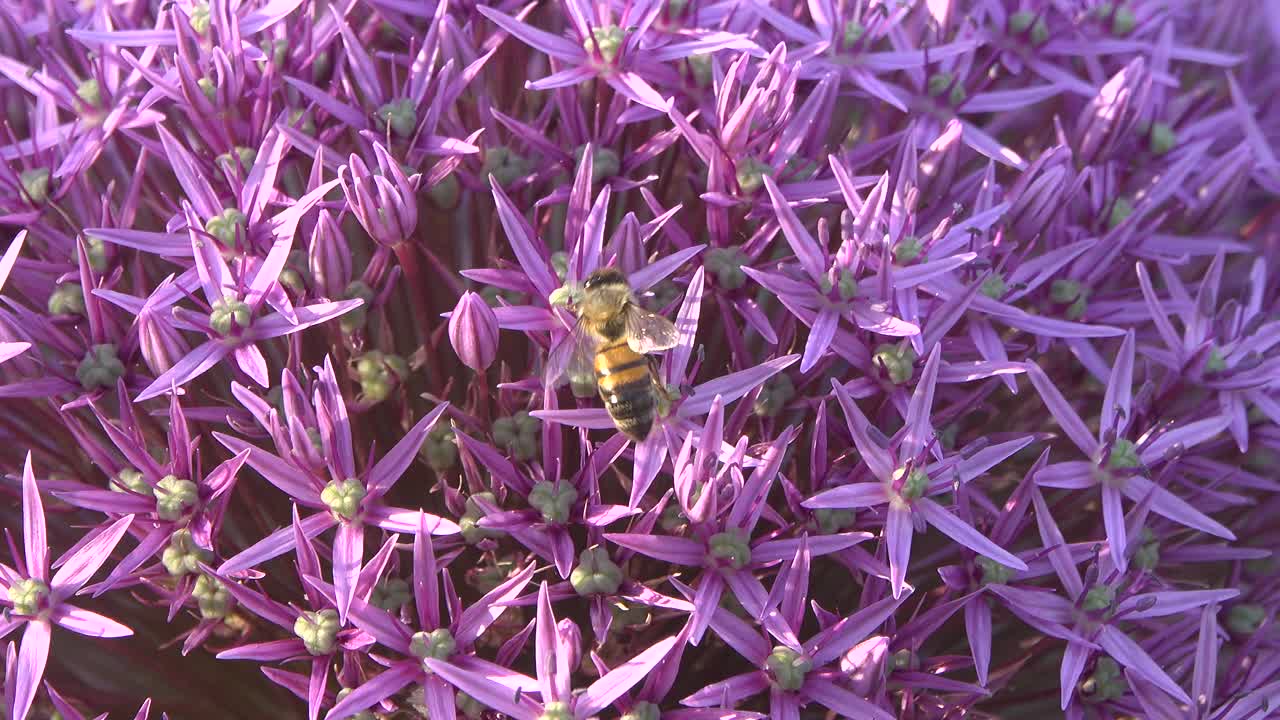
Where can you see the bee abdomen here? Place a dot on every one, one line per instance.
(625, 385)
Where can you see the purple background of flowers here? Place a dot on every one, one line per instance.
(976, 396)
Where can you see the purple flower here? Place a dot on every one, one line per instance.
(36, 602)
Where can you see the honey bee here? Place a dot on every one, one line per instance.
(610, 340)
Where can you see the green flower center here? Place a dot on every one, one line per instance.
(505, 165)
(391, 594)
(440, 449)
(553, 500)
(898, 362)
(1106, 682)
(183, 556)
(1124, 455)
(1121, 209)
(1023, 20)
(343, 498)
(472, 532)
(729, 549)
(174, 496)
(1216, 363)
(245, 156)
(353, 320)
(750, 175)
(517, 434)
(67, 299)
(100, 368)
(913, 485)
(994, 573)
(378, 374)
(1163, 138)
(130, 480)
(209, 89)
(401, 115)
(607, 39)
(726, 263)
(1124, 20)
(945, 82)
(1099, 597)
(200, 18)
(847, 285)
(226, 226)
(1246, 618)
(318, 631)
(774, 396)
(29, 596)
(994, 286)
(438, 644)
(596, 574)
(90, 92)
(643, 711)
(604, 162)
(833, 520)
(229, 313)
(788, 667)
(853, 32)
(212, 597)
(35, 183)
(907, 250)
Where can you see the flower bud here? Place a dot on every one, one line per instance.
(473, 332)
(385, 203)
(329, 257)
(318, 631)
(174, 496)
(160, 343)
(1112, 113)
(596, 574)
(729, 549)
(100, 368)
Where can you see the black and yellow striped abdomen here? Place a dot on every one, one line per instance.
(626, 386)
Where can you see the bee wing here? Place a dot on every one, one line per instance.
(574, 356)
(649, 332)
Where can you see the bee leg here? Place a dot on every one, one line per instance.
(661, 394)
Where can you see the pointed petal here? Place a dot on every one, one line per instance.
(601, 693)
(35, 539)
(965, 534)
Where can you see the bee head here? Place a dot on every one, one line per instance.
(604, 294)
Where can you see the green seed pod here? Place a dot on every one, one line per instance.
(35, 184)
(343, 498)
(1124, 455)
(605, 163)
(29, 596)
(391, 594)
(438, 644)
(67, 299)
(318, 631)
(915, 484)
(212, 597)
(89, 92)
(130, 480)
(994, 286)
(750, 174)
(401, 115)
(730, 548)
(200, 18)
(908, 249)
(1099, 597)
(897, 360)
(229, 313)
(100, 368)
(553, 500)
(174, 496)
(608, 39)
(788, 667)
(993, 572)
(226, 226)
(355, 319)
(183, 556)
(596, 573)
(726, 264)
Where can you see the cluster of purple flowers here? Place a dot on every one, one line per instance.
(974, 410)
